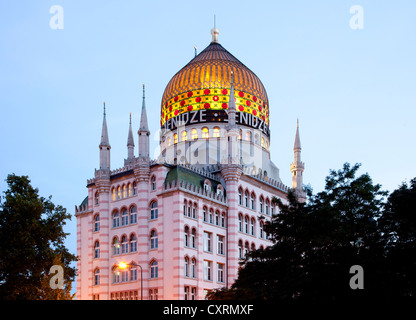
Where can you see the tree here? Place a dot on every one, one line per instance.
(31, 241)
(316, 243)
(398, 227)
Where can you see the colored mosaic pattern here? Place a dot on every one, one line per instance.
(214, 99)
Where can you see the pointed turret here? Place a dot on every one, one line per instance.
(130, 144)
(143, 130)
(231, 105)
(104, 145)
(297, 167)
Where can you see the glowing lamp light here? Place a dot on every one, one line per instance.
(122, 265)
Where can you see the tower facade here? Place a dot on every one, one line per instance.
(177, 226)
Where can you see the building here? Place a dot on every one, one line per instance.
(185, 219)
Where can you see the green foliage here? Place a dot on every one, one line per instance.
(31, 239)
(316, 243)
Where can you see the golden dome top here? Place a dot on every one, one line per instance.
(205, 81)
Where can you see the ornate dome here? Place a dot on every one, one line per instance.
(204, 83)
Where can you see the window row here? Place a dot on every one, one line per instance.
(124, 191)
(126, 275)
(216, 218)
(206, 133)
(124, 295)
(247, 199)
(208, 271)
(244, 249)
(248, 225)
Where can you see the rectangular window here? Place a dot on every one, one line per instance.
(220, 244)
(207, 241)
(220, 273)
(207, 270)
(186, 290)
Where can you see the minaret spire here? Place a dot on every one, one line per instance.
(297, 167)
(144, 131)
(130, 144)
(104, 145)
(232, 129)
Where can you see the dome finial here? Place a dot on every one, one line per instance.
(215, 32)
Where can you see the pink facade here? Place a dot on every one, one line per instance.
(195, 239)
(181, 223)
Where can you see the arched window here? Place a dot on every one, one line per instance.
(205, 133)
(134, 188)
(116, 219)
(246, 198)
(175, 138)
(261, 204)
(96, 223)
(153, 183)
(246, 248)
(211, 216)
(118, 193)
(252, 226)
(124, 217)
(248, 136)
(267, 206)
(116, 246)
(193, 238)
(97, 198)
(261, 229)
(194, 134)
(116, 274)
(96, 249)
(133, 243)
(240, 249)
(272, 208)
(190, 209)
(223, 219)
(240, 222)
(133, 214)
(186, 267)
(185, 205)
(184, 135)
(253, 201)
(153, 239)
(113, 194)
(124, 245)
(194, 211)
(97, 277)
(124, 191)
(246, 224)
(186, 236)
(216, 133)
(153, 210)
(129, 190)
(263, 142)
(193, 268)
(204, 213)
(240, 196)
(217, 217)
(153, 269)
(169, 141)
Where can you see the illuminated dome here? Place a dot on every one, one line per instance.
(204, 84)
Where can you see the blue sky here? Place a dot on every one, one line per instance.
(353, 90)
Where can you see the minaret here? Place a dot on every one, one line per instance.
(231, 170)
(130, 145)
(143, 132)
(232, 129)
(104, 146)
(297, 166)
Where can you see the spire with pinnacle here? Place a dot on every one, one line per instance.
(231, 105)
(104, 145)
(143, 131)
(130, 143)
(297, 167)
(215, 32)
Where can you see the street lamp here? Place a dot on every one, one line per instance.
(123, 265)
